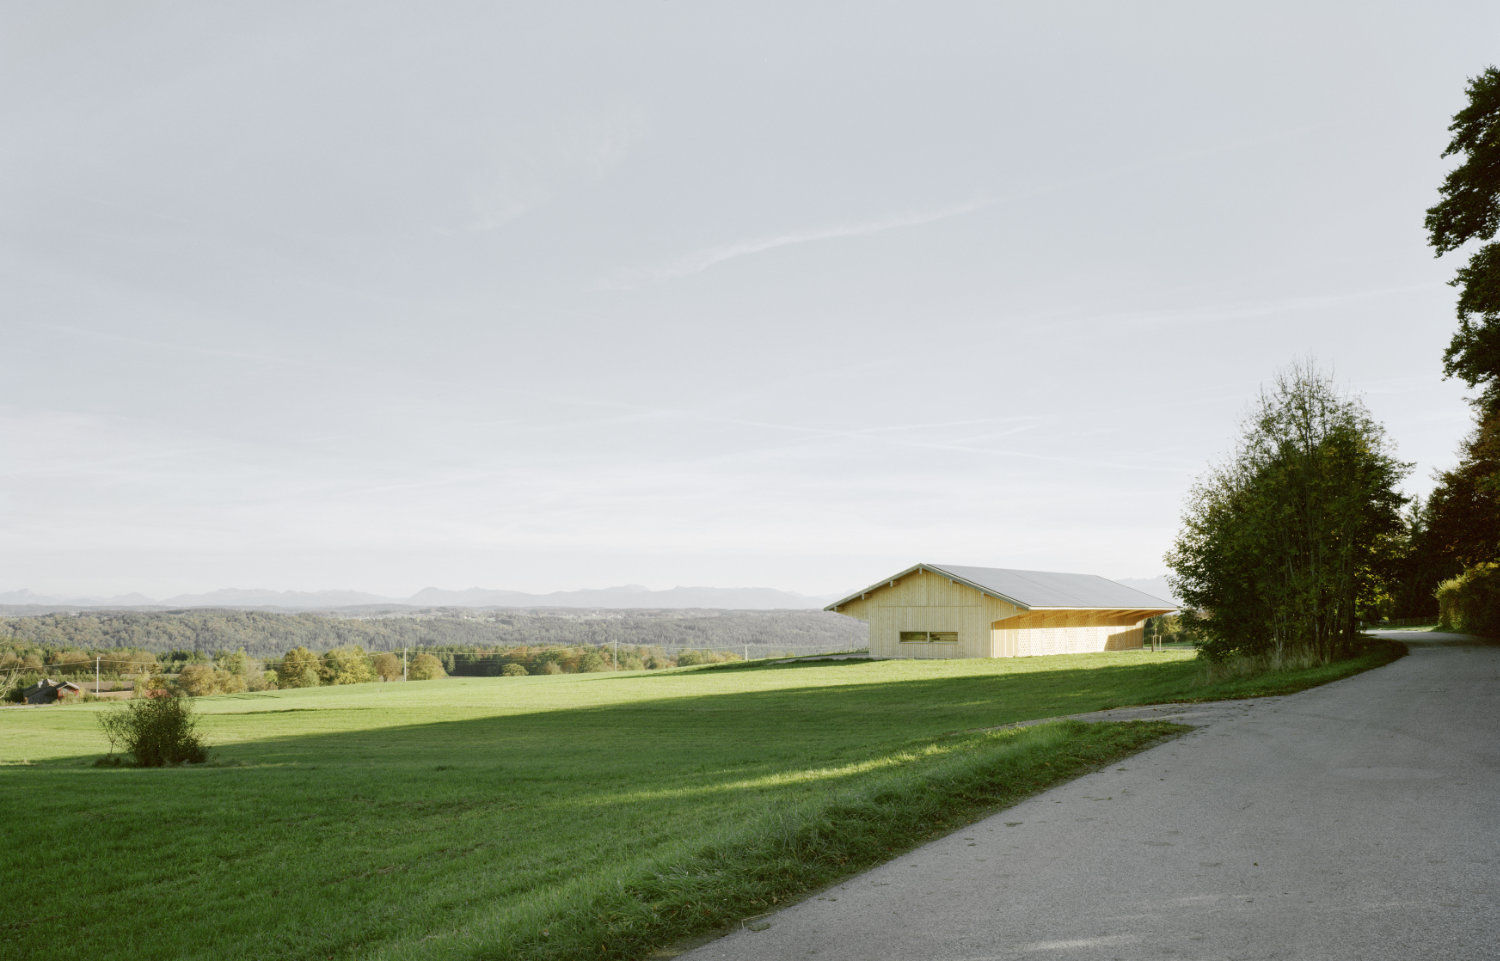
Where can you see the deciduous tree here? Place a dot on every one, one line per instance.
(1463, 513)
(425, 667)
(1284, 545)
(298, 668)
(346, 665)
(388, 666)
(1470, 211)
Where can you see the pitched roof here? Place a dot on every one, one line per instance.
(1030, 590)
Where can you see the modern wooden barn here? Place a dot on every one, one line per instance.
(933, 610)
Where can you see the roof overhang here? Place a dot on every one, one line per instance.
(946, 575)
(1139, 612)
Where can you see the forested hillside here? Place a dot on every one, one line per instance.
(267, 634)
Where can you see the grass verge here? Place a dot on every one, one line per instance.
(786, 854)
(1247, 678)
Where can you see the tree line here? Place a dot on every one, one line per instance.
(1460, 524)
(1302, 533)
(269, 634)
(196, 673)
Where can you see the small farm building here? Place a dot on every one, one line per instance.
(46, 691)
(933, 610)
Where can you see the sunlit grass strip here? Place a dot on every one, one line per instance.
(787, 853)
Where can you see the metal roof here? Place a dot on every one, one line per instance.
(1031, 590)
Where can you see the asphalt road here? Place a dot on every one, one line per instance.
(1359, 820)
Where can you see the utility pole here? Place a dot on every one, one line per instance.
(96, 675)
(403, 665)
(615, 654)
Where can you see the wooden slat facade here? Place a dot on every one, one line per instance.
(923, 601)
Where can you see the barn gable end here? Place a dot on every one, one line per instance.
(939, 611)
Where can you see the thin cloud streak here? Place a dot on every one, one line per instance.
(702, 260)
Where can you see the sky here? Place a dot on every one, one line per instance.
(377, 296)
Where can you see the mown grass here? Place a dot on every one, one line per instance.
(550, 817)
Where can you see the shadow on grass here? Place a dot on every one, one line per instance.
(724, 730)
(745, 733)
(654, 819)
(667, 815)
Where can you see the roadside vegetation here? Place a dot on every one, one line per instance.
(595, 815)
(1283, 546)
(1456, 532)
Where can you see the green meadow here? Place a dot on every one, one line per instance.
(572, 816)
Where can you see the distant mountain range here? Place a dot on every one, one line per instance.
(1155, 586)
(615, 598)
(627, 596)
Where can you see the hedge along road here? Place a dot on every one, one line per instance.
(1358, 820)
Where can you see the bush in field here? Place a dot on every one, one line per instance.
(298, 668)
(425, 667)
(388, 666)
(1470, 602)
(513, 670)
(156, 731)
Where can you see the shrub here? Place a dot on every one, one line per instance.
(513, 670)
(425, 667)
(156, 731)
(1470, 602)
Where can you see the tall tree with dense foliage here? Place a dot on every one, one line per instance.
(1463, 523)
(1462, 529)
(387, 666)
(346, 665)
(298, 668)
(1419, 565)
(425, 667)
(1469, 211)
(1284, 545)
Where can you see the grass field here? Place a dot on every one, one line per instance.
(570, 816)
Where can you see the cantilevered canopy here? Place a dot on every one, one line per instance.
(1036, 590)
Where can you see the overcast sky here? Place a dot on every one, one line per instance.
(544, 296)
